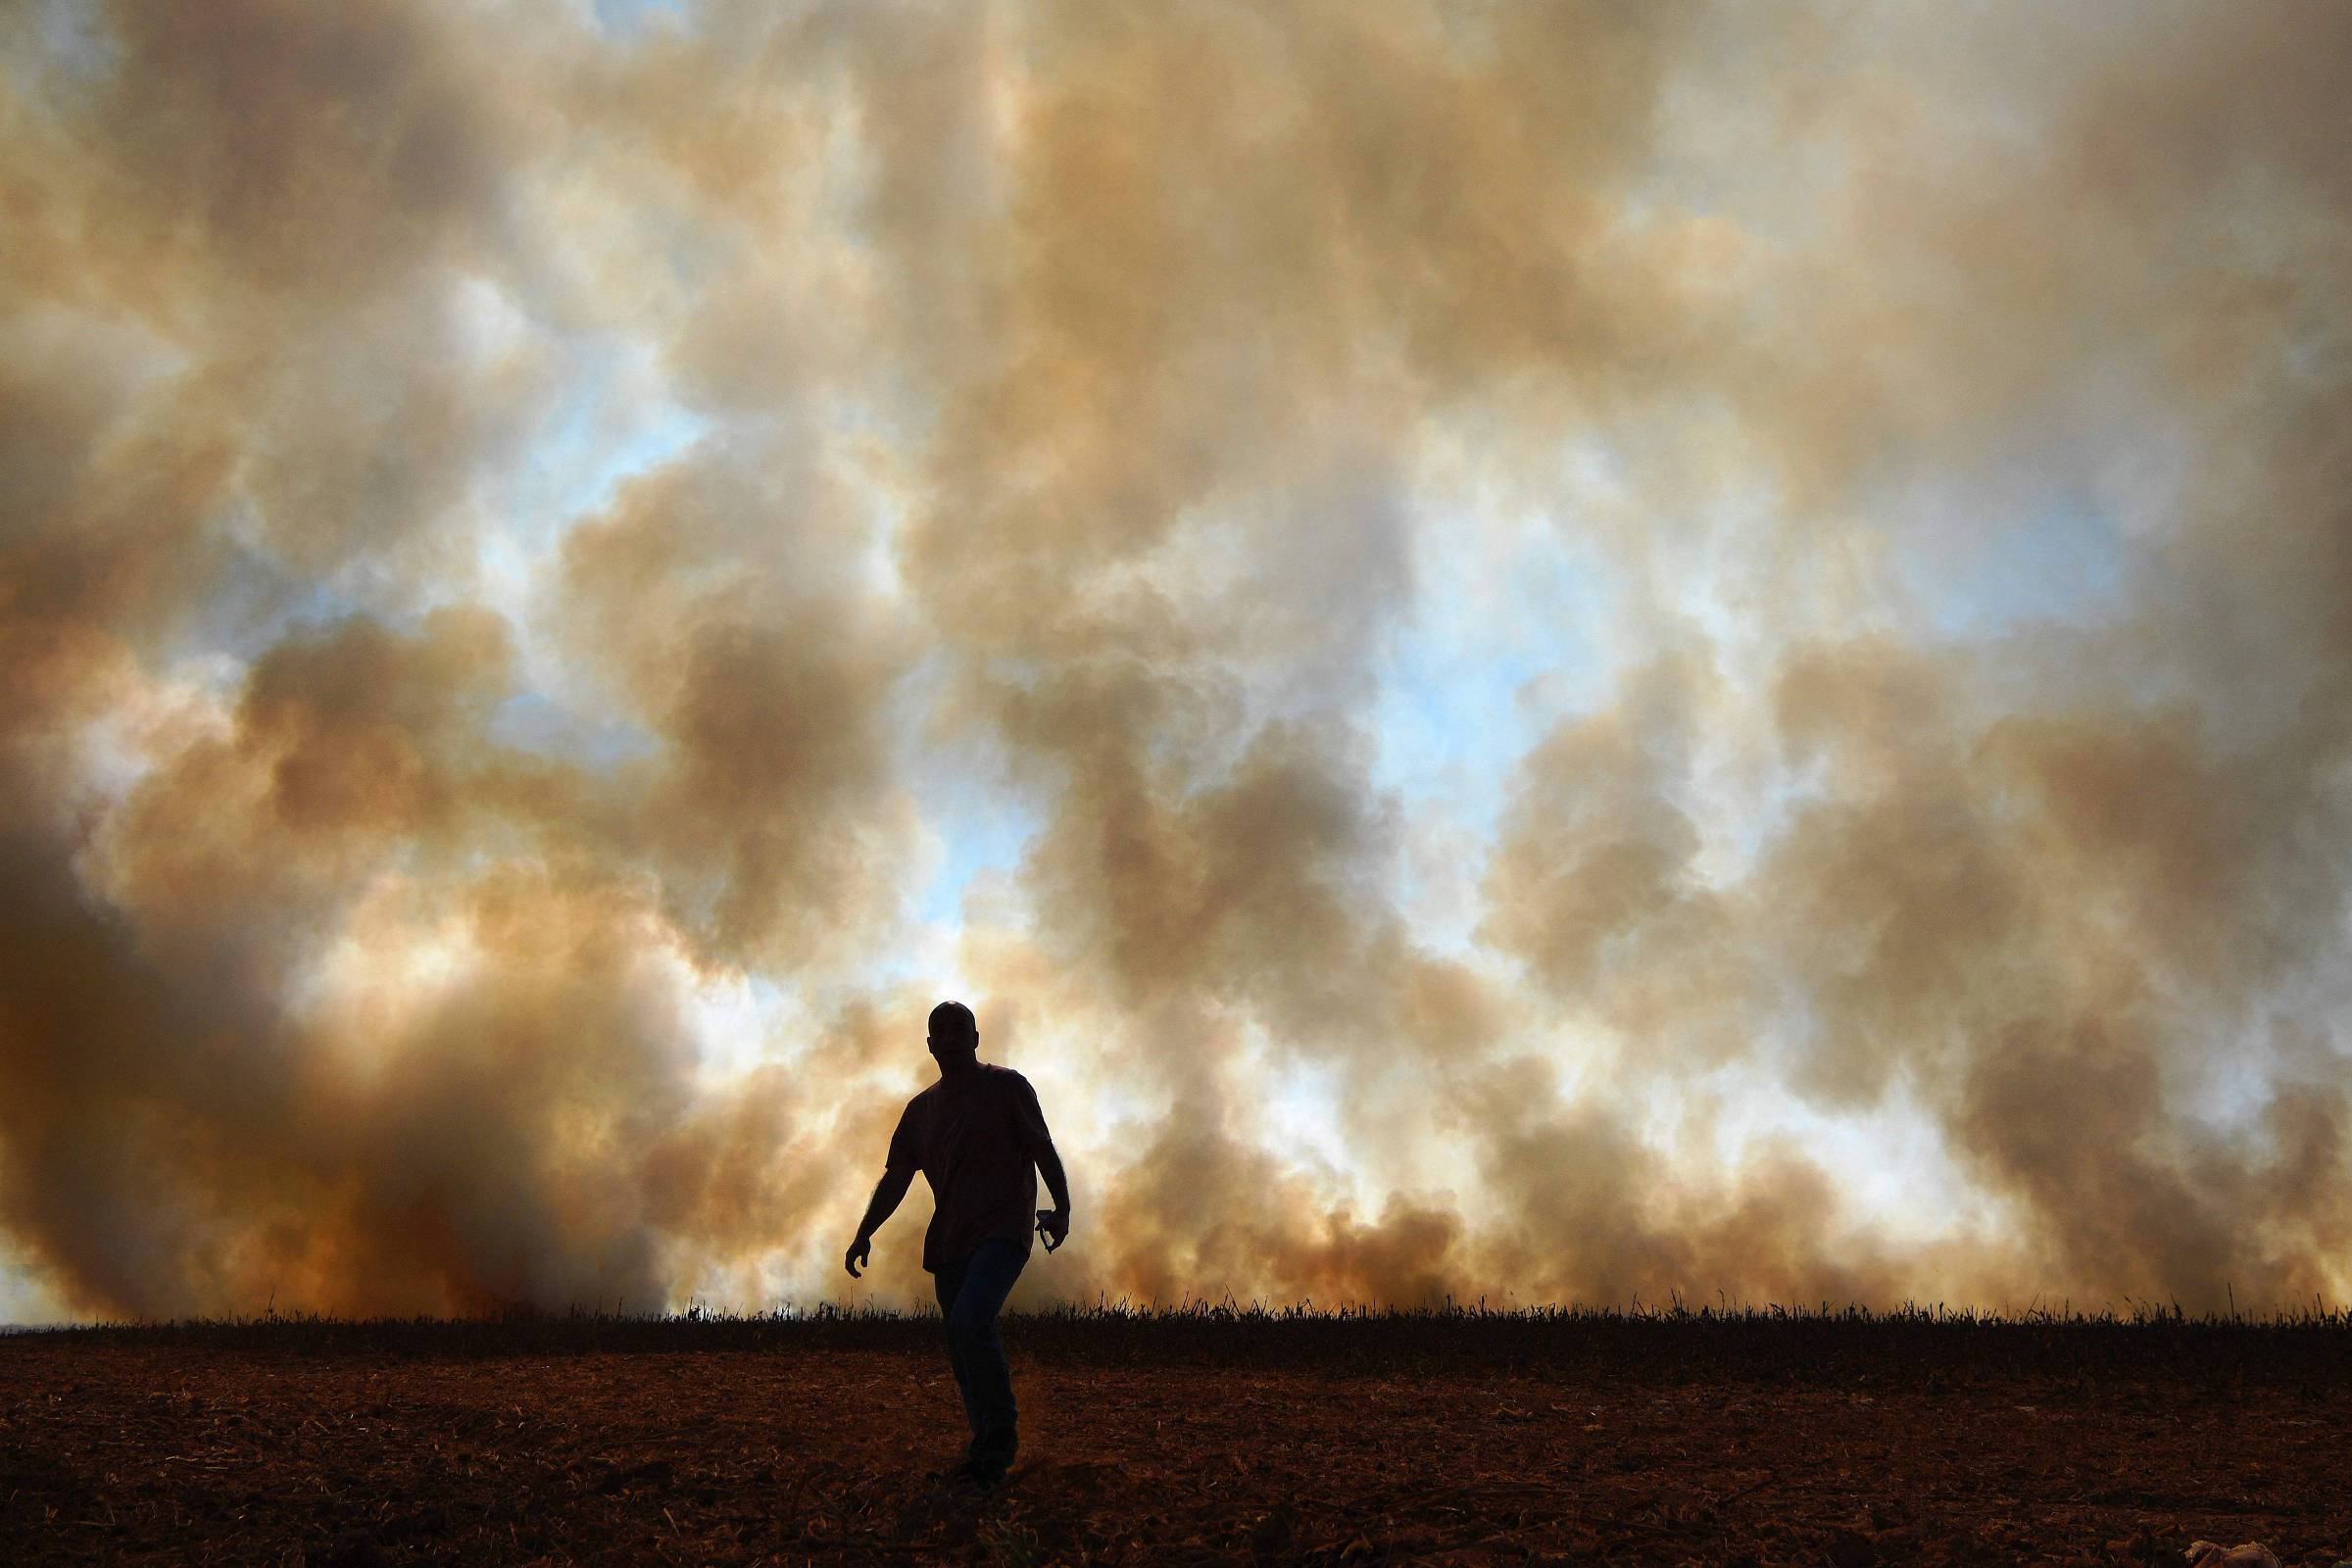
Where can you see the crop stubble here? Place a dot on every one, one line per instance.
(1215, 1437)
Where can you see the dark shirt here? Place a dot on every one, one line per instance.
(976, 1137)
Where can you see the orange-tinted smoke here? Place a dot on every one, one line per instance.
(1073, 394)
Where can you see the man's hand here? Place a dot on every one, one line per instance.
(861, 1250)
(1053, 1224)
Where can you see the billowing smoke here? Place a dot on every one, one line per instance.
(1550, 652)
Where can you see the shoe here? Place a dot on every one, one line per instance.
(972, 1472)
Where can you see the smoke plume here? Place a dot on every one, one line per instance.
(1555, 652)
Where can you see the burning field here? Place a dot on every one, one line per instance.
(1204, 1436)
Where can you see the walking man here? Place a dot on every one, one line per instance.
(980, 1139)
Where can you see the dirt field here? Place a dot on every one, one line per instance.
(1845, 1440)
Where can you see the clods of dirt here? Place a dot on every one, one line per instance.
(2248, 1554)
(347, 1551)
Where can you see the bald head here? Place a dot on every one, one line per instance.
(954, 1030)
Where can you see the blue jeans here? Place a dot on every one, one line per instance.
(971, 1293)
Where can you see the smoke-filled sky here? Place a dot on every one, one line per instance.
(1550, 651)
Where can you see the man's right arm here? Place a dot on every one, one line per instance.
(888, 1192)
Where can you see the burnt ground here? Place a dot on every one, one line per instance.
(1213, 1437)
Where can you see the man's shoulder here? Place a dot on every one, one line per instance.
(1003, 1077)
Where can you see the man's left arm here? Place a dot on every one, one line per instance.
(1053, 1223)
(1056, 1224)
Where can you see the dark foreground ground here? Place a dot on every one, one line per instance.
(1211, 1437)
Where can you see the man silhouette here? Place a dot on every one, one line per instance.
(978, 1136)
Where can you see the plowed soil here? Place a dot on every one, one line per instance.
(1847, 1442)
